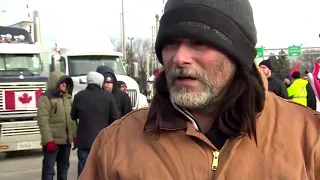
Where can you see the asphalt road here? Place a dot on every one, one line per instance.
(26, 165)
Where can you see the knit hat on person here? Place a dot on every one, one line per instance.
(266, 63)
(287, 76)
(108, 77)
(227, 25)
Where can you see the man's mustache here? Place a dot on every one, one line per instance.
(176, 73)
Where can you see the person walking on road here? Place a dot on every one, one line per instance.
(275, 85)
(56, 126)
(212, 116)
(111, 84)
(95, 109)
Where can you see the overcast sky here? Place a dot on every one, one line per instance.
(279, 23)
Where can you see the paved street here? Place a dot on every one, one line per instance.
(26, 165)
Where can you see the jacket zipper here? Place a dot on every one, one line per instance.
(67, 130)
(215, 160)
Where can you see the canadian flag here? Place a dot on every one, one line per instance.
(21, 100)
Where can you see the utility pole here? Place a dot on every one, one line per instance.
(123, 38)
(157, 64)
(131, 39)
(130, 59)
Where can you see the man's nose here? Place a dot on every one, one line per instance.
(183, 56)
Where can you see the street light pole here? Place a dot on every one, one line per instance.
(124, 48)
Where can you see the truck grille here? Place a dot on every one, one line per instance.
(18, 87)
(20, 128)
(133, 96)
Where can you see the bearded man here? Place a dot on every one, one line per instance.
(212, 116)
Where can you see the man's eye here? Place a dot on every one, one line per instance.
(198, 43)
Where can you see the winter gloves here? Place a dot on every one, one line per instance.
(51, 146)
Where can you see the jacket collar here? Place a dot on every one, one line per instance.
(173, 117)
(94, 87)
(164, 118)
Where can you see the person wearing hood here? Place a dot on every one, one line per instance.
(122, 86)
(111, 84)
(95, 109)
(57, 129)
(274, 84)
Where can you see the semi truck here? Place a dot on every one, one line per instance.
(21, 84)
(25, 63)
(76, 61)
(78, 55)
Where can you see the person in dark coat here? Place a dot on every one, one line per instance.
(111, 84)
(311, 96)
(287, 80)
(275, 85)
(95, 109)
(122, 86)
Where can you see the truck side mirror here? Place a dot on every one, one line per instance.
(58, 63)
(82, 81)
(135, 70)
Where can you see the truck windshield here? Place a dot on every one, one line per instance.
(12, 64)
(81, 65)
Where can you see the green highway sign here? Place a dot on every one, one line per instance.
(260, 52)
(294, 51)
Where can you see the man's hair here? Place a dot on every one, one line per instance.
(296, 75)
(242, 103)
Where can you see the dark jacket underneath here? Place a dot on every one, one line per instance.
(276, 86)
(123, 100)
(311, 97)
(95, 109)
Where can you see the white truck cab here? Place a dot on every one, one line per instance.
(21, 83)
(77, 62)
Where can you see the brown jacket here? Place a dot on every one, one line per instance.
(288, 147)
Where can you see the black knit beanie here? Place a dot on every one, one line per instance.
(266, 63)
(227, 25)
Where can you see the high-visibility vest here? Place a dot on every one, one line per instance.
(298, 91)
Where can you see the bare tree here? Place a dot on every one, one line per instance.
(116, 44)
(142, 51)
(141, 48)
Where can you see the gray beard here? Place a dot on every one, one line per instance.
(190, 98)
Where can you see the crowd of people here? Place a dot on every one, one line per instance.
(295, 87)
(212, 115)
(64, 122)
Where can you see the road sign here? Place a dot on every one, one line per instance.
(260, 52)
(294, 51)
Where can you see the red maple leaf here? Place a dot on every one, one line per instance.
(25, 98)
